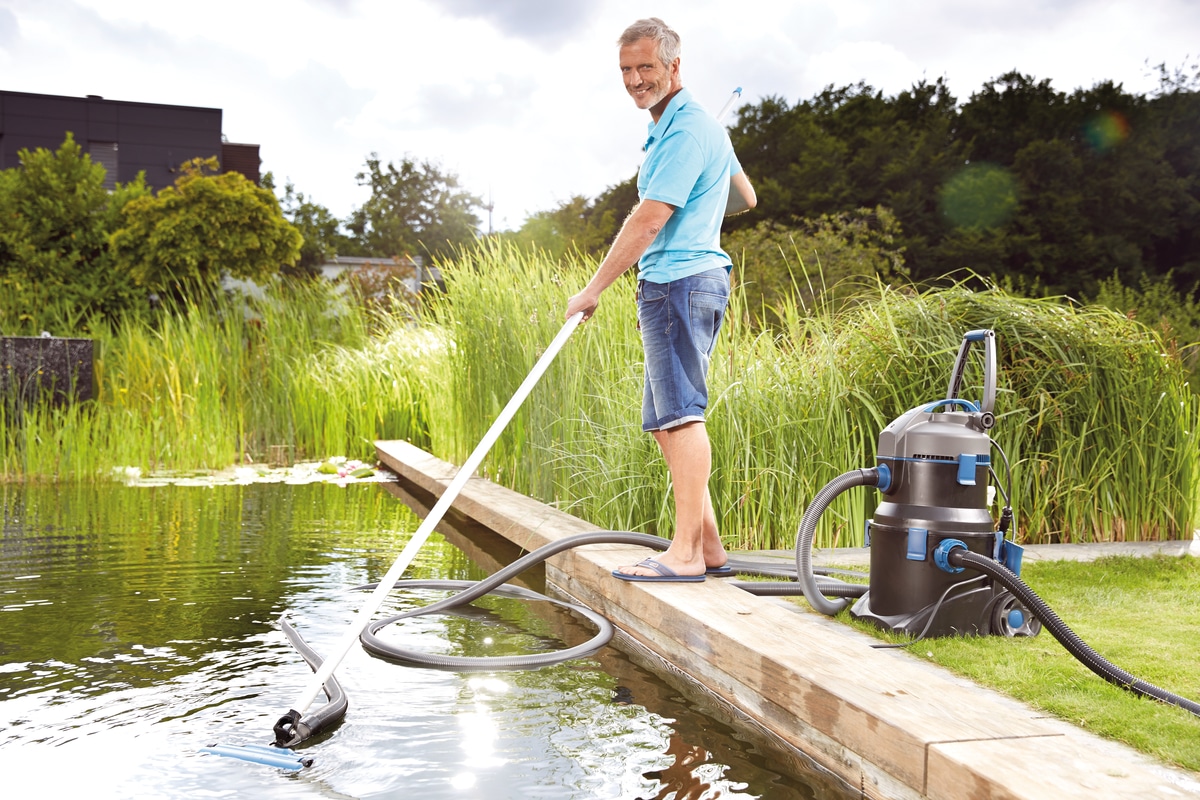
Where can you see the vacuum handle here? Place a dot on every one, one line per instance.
(988, 337)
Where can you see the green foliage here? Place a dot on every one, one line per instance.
(206, 385)
(1094, 414)
(1158, 304)
(841, 252)
(183, 241)
(55, 218)
(320, 230)
(564, 230)
(1020, 183)
(578, 225)
(1097, 423)
(414, 210)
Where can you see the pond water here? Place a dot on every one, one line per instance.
(140, 624)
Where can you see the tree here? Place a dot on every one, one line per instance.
(814, 262)
(205, 226)
(578, 225)
(1176, 109)
(320, 229)
(55, 218)
(1022, 183)
(414, 209)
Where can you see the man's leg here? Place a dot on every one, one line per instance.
(679, 322)
(696, 544)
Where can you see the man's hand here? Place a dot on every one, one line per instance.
(586, 301)
(637, 233)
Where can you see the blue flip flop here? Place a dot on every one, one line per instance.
(720, 571)
(665, 574)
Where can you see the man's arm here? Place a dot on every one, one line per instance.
(638, 233)
(741, 195)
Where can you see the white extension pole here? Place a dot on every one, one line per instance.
(306, 697)
(729, 104)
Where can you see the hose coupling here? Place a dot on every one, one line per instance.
(879, 476)
(945, 558)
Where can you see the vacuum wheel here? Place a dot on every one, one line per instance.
(1010, 617)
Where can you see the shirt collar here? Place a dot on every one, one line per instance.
(657, 129)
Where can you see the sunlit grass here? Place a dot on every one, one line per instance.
(1137, 613)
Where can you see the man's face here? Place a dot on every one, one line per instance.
(647, 79)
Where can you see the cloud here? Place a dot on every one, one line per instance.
(535, 20)
(321, 96)
(9, 30)
(475, 103)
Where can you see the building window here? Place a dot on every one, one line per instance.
(105, 154)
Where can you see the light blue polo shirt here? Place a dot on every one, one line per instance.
(689, 161)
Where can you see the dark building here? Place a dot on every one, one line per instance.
(125, 137)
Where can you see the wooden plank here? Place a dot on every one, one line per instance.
(481, 544)
(876, 718)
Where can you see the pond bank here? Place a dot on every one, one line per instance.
(878, 719)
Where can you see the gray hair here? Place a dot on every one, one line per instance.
(653, 28)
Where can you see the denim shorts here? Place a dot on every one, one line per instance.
(679, 322)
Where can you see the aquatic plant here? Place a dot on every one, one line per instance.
(1095, 415)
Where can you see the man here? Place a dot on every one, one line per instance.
(689, 180)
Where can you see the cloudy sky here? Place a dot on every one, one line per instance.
(522, 99)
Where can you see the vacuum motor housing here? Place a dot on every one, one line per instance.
(934, 463)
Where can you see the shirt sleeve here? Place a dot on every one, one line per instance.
(673, 169)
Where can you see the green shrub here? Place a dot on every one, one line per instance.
(56, 272)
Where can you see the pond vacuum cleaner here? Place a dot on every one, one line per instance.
(938, 568)
(934, 463)
(933, 469)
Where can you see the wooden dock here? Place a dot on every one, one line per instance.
(883, 720)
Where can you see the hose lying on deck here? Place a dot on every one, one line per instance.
(804, 581)
(808, 529)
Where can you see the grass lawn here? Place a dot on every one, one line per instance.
(1140, 614)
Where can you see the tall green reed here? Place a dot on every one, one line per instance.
(205, 385)
(1094, 416)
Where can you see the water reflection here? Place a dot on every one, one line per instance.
(139, 625)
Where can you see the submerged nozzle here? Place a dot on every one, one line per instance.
(288, 729)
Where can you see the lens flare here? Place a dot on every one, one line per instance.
(1106, 130)
(979, 196)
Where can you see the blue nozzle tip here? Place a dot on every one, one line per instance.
(738, 90)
